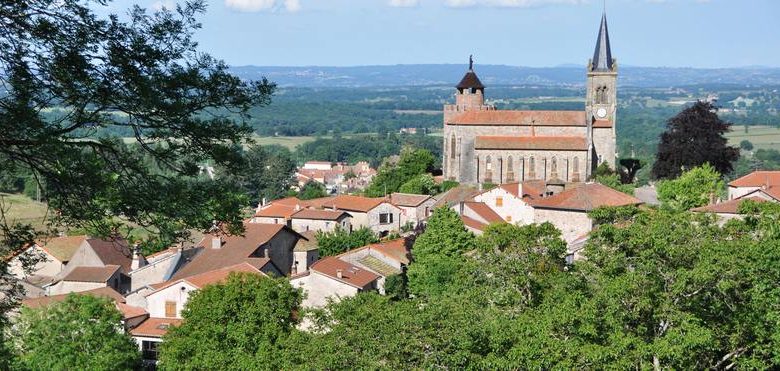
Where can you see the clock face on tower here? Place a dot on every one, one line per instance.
(601, 113)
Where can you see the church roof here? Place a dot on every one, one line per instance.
(585, 198)
(521, 118)
(532, 143)
(470, 79)
(602, 56)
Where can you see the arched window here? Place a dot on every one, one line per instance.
(488, 169)
(510, 169)
(554, 167)
(452, 147)
(575, 170)
(532, 167)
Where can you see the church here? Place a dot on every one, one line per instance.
(486, 145)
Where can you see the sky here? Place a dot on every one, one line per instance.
(535, 33)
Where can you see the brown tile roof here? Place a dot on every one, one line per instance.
(532, 143)
(758, 179)
(470, 81)
(456, 195)
(92, 274)
(350, 203)
(319, 214)
(727, 207)
(102, 292)
(155, 327)
(408, 200)
(586, 197)
(62, 248)
(130, 311)
(484, 211)
(212, 277)
(234, 250)
(521, 118)
(395, 249)
(350, 274)
(112, 252)
(473, 223)
(277, 210)
(602, 124)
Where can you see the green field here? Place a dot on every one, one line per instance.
(762, 137)
(21, 209)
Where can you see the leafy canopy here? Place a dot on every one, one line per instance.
(80, 333)
(693, 188)
(341, 240)
(237, 325)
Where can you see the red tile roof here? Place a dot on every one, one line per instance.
(394, 249)
(758, 179)
(532, 143)
(277, 210)
(521, 118)
(350, 274)
(484, 211)
(586, 197)
(349, 203)
(92, 274)
(319, 214)
(130, 311)
(234, 249)
(154, 327)
(727, 207)
(408, 200)
(102, 292)
(472, 223)
(212, 277)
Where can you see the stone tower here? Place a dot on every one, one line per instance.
(469, 96)
(601, 100)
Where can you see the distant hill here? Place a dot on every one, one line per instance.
(449, 74)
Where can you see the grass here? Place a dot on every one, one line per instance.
(21, 209)
(762, 137)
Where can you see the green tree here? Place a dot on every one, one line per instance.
(341, 240)
(422, 184)
(746, 145)
(237, 325)
(438, 253)
(74, 77)
(391, 176)
(80, 333)
(693, 188)
(267, 173)
(312, 190)
(692, 138)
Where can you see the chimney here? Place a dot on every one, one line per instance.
(264, 201)
(462, 206)
(297, 207)
(138, 259)
(339, 273)
(216, 242)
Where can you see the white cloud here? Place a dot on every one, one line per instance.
(291, 6)
(404, 3)
(163, 4)
(509, 3)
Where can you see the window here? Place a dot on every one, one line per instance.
(170, 309)
(452, 147)
(510, 169)
(509, 218)
(532, 167)
(385, 218)
(327, 225)
(149, 350)
(488, 164)
(554, 167)
(576, 165)
(499, 201)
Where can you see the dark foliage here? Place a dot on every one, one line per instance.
(692, 138)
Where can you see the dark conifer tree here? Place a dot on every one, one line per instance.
(692, 138)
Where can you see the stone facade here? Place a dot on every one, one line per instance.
(528, 145)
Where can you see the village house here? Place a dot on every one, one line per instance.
(510, 201)
(568, 210)
(476, 216)
(305, 220)
(278, 211)
(377, 214)
(386, 258)
(729, 210)
(415, 208)
(331, 278)
(158, 267)
(96, 263)
(752, 182)
(337, 178)
(306, 252)
(267, 247)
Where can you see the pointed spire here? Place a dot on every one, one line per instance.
(602, 56)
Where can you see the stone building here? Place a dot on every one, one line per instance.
(485, 145)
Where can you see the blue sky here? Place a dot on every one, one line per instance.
(677, 33)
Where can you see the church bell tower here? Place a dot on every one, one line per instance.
(601, 99)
